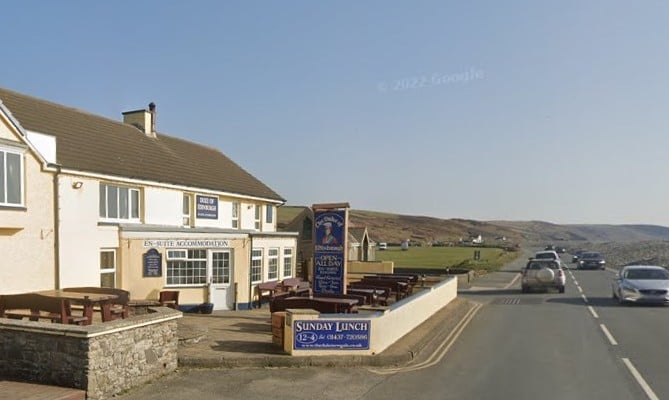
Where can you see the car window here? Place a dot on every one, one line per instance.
(647, 274)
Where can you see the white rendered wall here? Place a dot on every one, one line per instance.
(27, 259)
(163, 206)
(81, 238)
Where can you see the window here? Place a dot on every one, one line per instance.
(256, 265)
(220, 267)
(119, 202)
(272, 264)
(11, 178)
(287, 263)
(189, 270)
(235, 214)
(269, 214)
(108, 268)
(186, 210)
(257, 217)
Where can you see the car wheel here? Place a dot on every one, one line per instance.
(524, 289)
(621, 301)
(561, 289)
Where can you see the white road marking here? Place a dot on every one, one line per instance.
(584, 298)
(512, 282)
(441, 351)
(593, 312)
(579, 289)
(642, 382)
(575, 281)
(608, 335)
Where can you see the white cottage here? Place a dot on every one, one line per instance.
(126, 206)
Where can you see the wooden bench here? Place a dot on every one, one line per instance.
(36, 307)
(119, 308)
(324, 305)
(386, 288)
(400, 287)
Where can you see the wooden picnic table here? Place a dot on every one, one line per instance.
(341, 305)
(372, 295)
(87, 300)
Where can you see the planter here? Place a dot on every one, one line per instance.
(206, 308)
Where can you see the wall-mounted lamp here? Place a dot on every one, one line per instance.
(249, 206)
(77, 184)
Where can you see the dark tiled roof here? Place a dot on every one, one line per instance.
(90, 143)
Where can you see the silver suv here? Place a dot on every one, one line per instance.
(543, 274)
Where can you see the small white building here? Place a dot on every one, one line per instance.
(118, 204)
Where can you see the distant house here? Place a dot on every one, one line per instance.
(476, 239)
(361, 247)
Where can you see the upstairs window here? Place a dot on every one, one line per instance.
(269, 214)
(119, 202)
(186, 210)
(257, 217)
(235, 214)
(11, 177)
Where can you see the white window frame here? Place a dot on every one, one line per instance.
(235, 214)
(258, 217)
(256, 269)
(269, 214)
(187, 210)
(288, 256)
(272, 264)
(176, 256)
(132, 191)
(108, 270)
(4, 151)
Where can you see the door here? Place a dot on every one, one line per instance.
(221, 293)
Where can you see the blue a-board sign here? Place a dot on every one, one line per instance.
(206, 207)
(329, 251)
(153, 263)
(331, 334)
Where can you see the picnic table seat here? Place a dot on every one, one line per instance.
(37, 307)
(169, 298)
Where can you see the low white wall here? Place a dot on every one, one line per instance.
(387, 326)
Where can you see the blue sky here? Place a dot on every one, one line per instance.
(520, 110)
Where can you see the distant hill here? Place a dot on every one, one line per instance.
(394, 228)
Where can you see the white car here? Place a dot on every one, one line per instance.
(543, 274)
(547, 255)
(642, 284)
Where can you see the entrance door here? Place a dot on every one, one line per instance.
(221, 270)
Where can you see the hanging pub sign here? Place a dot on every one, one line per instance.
(206, 207)
(330, 232)
(153, 263)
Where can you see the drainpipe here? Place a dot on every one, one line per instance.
(250, 250)
(56, 224)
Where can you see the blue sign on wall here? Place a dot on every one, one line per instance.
(206, 207)
(331, 334)
(153, 263)
(329, 251)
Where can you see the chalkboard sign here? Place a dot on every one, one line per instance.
(153, 263)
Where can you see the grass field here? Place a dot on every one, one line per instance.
(447, 257)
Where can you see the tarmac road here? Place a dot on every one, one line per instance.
(507, 345)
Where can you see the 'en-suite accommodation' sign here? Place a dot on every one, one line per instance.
(206, 207)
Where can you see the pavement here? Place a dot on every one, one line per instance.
(243, 339)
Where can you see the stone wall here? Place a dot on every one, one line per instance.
(103, 359)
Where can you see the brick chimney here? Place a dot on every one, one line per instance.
(144, 120)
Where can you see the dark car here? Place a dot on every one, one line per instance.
(591, 260)
(576, 255)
